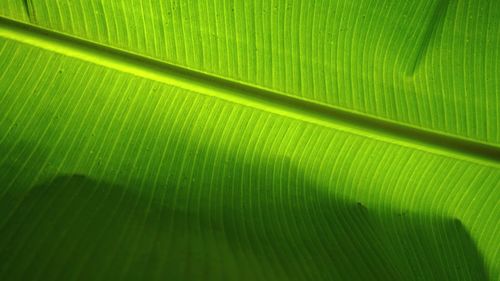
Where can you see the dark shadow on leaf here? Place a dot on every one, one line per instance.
(76, 228)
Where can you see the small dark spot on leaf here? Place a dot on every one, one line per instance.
(361, 205)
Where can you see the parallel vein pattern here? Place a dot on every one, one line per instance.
(107, 174)
(355, 55)
(171, 159)
(248, 95)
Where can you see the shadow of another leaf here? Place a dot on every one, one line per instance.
(74, 227)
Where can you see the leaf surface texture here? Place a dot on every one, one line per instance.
(249, 140)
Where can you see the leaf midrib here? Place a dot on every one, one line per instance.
(252, 95)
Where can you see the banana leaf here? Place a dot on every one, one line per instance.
(249, 140)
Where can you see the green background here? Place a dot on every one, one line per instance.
(113, 166)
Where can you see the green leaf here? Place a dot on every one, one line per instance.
(249, 140)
